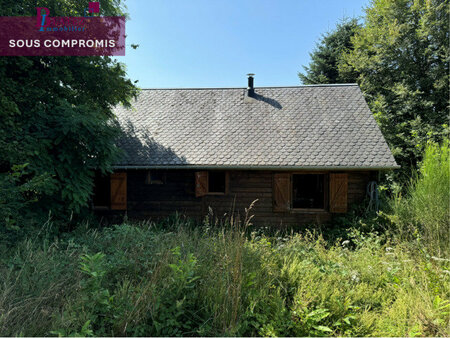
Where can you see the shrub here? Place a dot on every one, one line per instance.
(139, 279)
(424, 213)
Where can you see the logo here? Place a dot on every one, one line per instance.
(46, 23)
(46, 35)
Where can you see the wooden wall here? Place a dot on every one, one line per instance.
(145, 201)
(162, 200)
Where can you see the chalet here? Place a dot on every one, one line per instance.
(305, 153)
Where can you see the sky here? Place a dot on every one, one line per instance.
(215, 43)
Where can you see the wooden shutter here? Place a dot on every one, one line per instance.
(119, 191)
(338, 192)
(281, 192)
(201, 183)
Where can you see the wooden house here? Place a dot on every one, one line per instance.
(305, 153)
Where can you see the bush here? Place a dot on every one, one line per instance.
(424, 213)
(143, 280)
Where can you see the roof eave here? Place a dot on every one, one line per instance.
(250, 167)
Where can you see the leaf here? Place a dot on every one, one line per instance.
(318, 315)
(322, 328)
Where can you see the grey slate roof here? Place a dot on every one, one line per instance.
(323, 126)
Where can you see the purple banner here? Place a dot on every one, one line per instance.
(54, 36)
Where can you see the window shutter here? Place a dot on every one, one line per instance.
(201, 183)
(119, 191)
(338, 192)
(281, 192)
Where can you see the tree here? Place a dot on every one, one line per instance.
(402, 56)
(327, 56)
(57, 122)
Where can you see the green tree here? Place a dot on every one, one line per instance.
(327, 56)
(57, 122)
(402, 56)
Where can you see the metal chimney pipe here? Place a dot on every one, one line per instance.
(250, 88)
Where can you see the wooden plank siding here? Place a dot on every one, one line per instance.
(178, 194)
(162, 200)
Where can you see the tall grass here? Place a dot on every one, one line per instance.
(139, 279)
(424, 213)
(221, 278)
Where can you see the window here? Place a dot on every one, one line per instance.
(210, 183)
(305, 192)
(216, 182)
(110, 191)
(102, 193)
(155, 177)
(308, 191)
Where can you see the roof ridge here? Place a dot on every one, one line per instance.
(263, 87)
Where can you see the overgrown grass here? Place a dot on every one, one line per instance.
(423, 214)
(174, 278)
(140, 280)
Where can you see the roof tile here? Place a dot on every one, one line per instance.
(305, 126)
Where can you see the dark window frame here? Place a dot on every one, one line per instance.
(106, 193)
(226, 183)
(102, 182)
(150, 181)
(325, 192)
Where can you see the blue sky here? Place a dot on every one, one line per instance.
(214, 43)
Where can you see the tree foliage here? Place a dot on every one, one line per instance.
(57, 121)
(402, 56)
(327, 56)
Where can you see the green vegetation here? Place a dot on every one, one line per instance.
(400, 58)
(135, 280)
(57, 126)
(176, 278)
(328, 56)
(424, 213)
